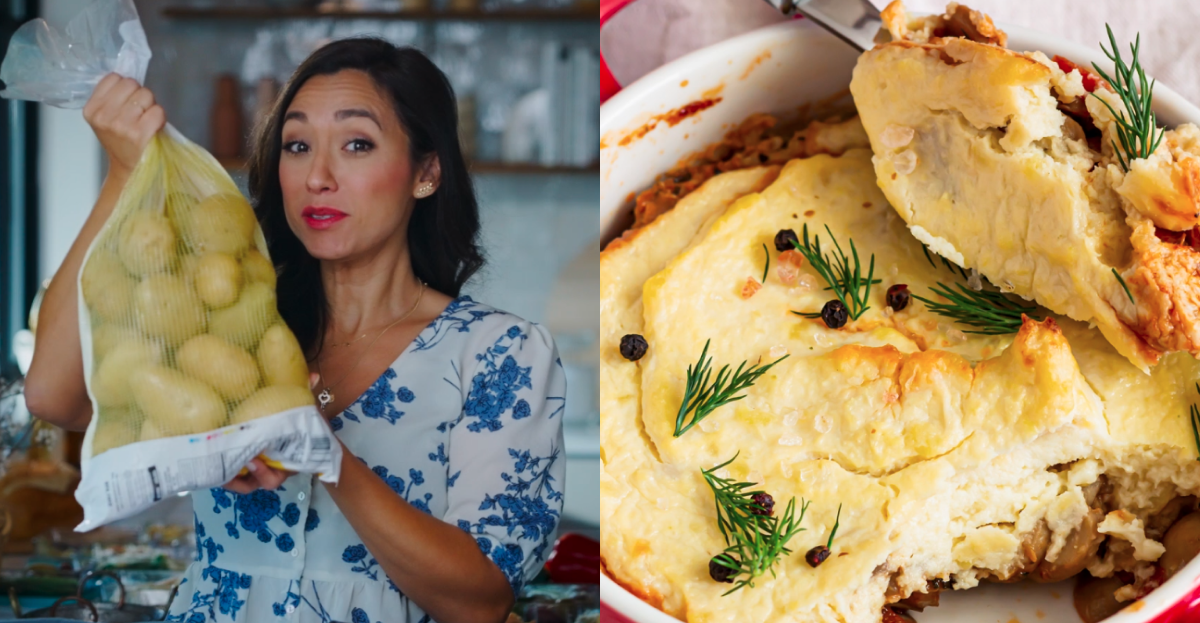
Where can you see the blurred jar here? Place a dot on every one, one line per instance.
(468, 127)
(227, 135)
(266, 91)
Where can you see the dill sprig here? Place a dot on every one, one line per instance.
(768, 265)
(836, 522)
(951, 265)
(844, 278)
(991, 312)
(754, 542)
(1139, 134)
(1195, 419)
(1122, 281)
(700, 397)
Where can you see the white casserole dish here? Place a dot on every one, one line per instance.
(776, 70)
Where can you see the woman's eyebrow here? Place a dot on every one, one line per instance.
(346, 113)
(340, 115)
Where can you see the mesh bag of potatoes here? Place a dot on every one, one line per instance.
(189, 367)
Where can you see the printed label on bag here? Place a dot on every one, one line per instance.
(127, 480)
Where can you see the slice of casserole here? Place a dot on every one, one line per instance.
(1003, 161)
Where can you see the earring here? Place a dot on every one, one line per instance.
(424, 190)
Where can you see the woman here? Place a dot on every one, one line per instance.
(449, 411)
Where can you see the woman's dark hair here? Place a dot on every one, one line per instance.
(444, 227)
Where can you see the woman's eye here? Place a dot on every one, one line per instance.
(360, 145)
(294, 147)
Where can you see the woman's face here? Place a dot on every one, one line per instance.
(347, 178)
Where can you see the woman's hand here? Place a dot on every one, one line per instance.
(260, 476)
(124, 116)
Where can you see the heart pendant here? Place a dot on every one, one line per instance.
(324, 398)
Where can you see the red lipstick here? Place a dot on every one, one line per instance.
(321, 217)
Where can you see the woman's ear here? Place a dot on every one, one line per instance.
(429, 177)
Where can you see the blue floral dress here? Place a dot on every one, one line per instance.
(466, 425)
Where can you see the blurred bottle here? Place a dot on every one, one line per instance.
(227, 134)
(265, 92)
(468, 128)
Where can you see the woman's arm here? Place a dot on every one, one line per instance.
(125, 118)
(437, 565)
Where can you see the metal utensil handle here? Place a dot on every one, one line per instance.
(14, 601)
(171, 600)
(854, 21)
(76, 599)
(101, 574)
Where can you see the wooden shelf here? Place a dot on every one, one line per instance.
(504, 168)
(583, 14)
(529, 168)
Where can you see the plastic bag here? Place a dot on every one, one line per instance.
(190, 369)
(62, 69)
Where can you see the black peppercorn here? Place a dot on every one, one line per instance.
(766, 504)
(633, 347)
(784, 240)
(834, 314)
(720, 572)
(898, 297)
(816, 556)
(938, 584)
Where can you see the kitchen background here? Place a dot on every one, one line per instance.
(525, 72)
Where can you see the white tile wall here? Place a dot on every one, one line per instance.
(533, 226)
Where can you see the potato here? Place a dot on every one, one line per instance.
(280, 358)
(218, 279)
(111, 379)
(107, 287)
(147, 244)
(151, 430)
(168, 308)
(244, 322)
(223, 222)
(188, 265)
(177, 404)
(271, 400)
(258, 268)
(115, 428)
(221, 365)
(178, 203)
(106, 336)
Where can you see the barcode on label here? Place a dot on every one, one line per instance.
(320, 443)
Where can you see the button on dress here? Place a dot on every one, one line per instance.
(466, 425)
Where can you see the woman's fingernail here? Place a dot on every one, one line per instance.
(251, 466)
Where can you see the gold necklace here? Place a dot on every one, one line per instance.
(326, 395)
(345, 344)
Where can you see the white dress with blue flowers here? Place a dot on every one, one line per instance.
(466, 425)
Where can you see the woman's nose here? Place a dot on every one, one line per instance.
(320, 176)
